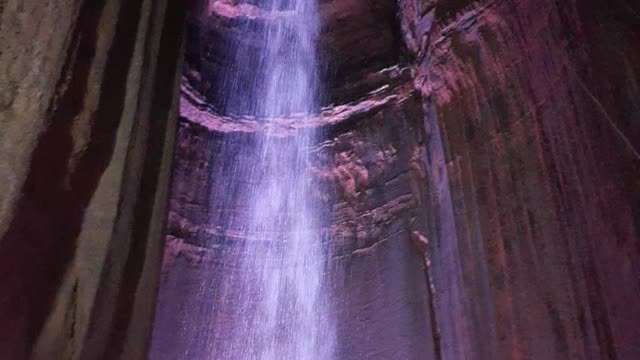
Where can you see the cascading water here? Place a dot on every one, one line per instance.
(284, 317)
(267, 299)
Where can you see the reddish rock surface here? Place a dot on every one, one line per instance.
(483, 153)
(532, 118)
(486, 203)
(358, 39)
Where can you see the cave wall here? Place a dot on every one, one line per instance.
(369, 152)
(87, 120)
(507, 161)
(533, 124)
(380, 285)
(488, 205)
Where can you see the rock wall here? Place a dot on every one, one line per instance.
(357, 38)
(370, 151)
(533, 135)
(87, 117)
(370, 155)
(507, 160)
(484, 156)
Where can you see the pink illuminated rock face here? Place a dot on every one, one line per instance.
(530, 106)
(367, 156)
(486, 200)
(484, 156)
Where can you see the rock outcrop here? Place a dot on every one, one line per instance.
(87, 120)
(483, 156)
(533, 138)
(357, 40)
(485, 160)
(370, 156)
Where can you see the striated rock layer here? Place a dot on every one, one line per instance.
(485, 161)
(87, 120)
(484, 156)
(533, 137)
(370, 156)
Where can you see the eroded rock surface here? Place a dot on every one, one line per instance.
(88, 100)
(358, 39)
(370, 155)
(532, 119)
(486, 202)
(483, 153)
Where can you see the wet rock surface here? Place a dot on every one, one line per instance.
(358, 38)
(370, 155)
(533, 134)
(487, 202)
(483, 156)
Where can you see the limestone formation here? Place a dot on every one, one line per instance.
(483, 153)
(505, 131)
(88, 102)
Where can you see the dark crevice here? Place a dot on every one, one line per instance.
(49, 213)
(435, 329)
(162, 102)
(109, 114)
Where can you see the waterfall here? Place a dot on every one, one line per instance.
(267, 299)
(285, 317)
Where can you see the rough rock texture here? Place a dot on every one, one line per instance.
(358, 39)
(370, 155)
(533, 131)
(380, 286)
(87, 122)
(508, 162)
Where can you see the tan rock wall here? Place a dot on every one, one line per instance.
(87, 117)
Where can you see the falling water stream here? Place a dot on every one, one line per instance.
(269, 304)
(283, 304)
